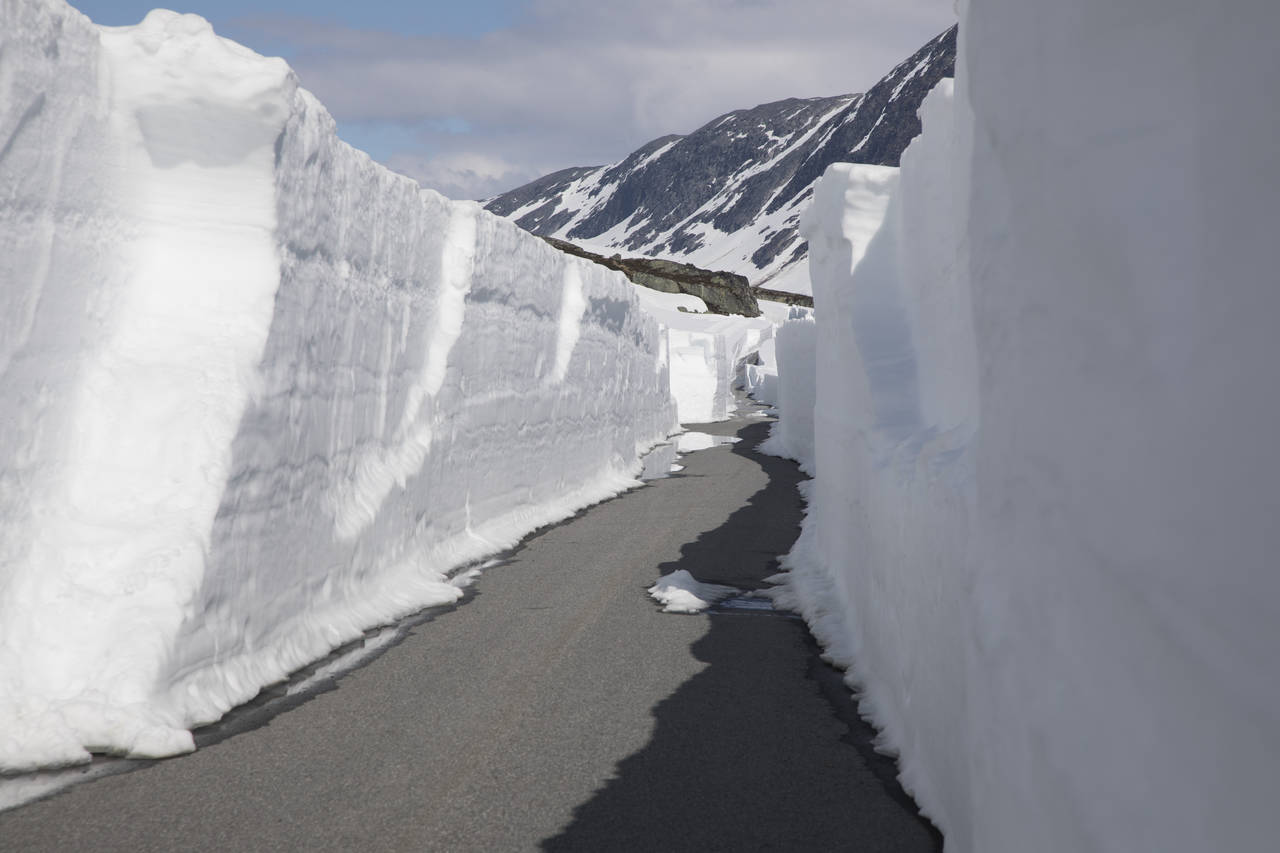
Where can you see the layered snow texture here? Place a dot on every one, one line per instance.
(794, 377)
(259, 393)
(706, 353)
(1043, 532)
(861, 194)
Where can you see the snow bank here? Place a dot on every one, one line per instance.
(1043, 528)
(777, 312)
(259, 393)
(760, 375)
(795, 394)
(706, 352)
(875, 569)
(856, 199)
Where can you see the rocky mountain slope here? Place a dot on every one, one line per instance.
(729, 195)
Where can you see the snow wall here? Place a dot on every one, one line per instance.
(706, 352)
(793, 387)
(1043, 532)
(259, 393)
(861, 193)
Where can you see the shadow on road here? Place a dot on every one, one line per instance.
(763, 749)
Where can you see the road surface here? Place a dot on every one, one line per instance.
(556, 708)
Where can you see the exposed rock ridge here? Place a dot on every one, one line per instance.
(724, 292)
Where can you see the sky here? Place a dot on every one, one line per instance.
(475, 97)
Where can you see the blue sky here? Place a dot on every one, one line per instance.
(474, 97)
(466, 17)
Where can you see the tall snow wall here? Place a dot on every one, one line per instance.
(795, 391)
(861, 196)
(1043, 530)
(707, 352)
(259, 393)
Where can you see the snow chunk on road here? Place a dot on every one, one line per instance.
(679, 592)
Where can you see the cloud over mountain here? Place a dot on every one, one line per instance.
(576, 81)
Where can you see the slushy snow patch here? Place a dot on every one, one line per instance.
(679, 592)
(688, 442)
(259, 393)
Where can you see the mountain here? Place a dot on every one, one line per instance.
(729, 195)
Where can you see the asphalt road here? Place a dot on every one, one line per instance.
(556, 708)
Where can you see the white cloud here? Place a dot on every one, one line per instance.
(461, 174)
(584, 82)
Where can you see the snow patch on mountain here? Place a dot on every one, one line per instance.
(729, 196)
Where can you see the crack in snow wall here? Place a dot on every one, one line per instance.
(259, 392)
(1043, 529)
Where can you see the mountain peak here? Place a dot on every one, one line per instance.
(728, 195)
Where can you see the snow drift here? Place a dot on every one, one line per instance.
(259, 393)
(1043, 531)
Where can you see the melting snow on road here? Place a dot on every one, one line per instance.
(679, 592)
(688, 442)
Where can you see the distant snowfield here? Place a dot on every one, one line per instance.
(260, 393)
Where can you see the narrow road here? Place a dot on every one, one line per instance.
(557, 709)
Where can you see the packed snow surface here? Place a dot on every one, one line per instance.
(259, 393)
(1043, 529)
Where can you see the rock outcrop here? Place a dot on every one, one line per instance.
(724, 292)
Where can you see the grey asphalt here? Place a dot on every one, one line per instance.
(557, 708)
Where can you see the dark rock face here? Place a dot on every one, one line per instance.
(730, 193)
(666, 194)
(783, 296)
(545, 192)
(879, 126)
(724, 292)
